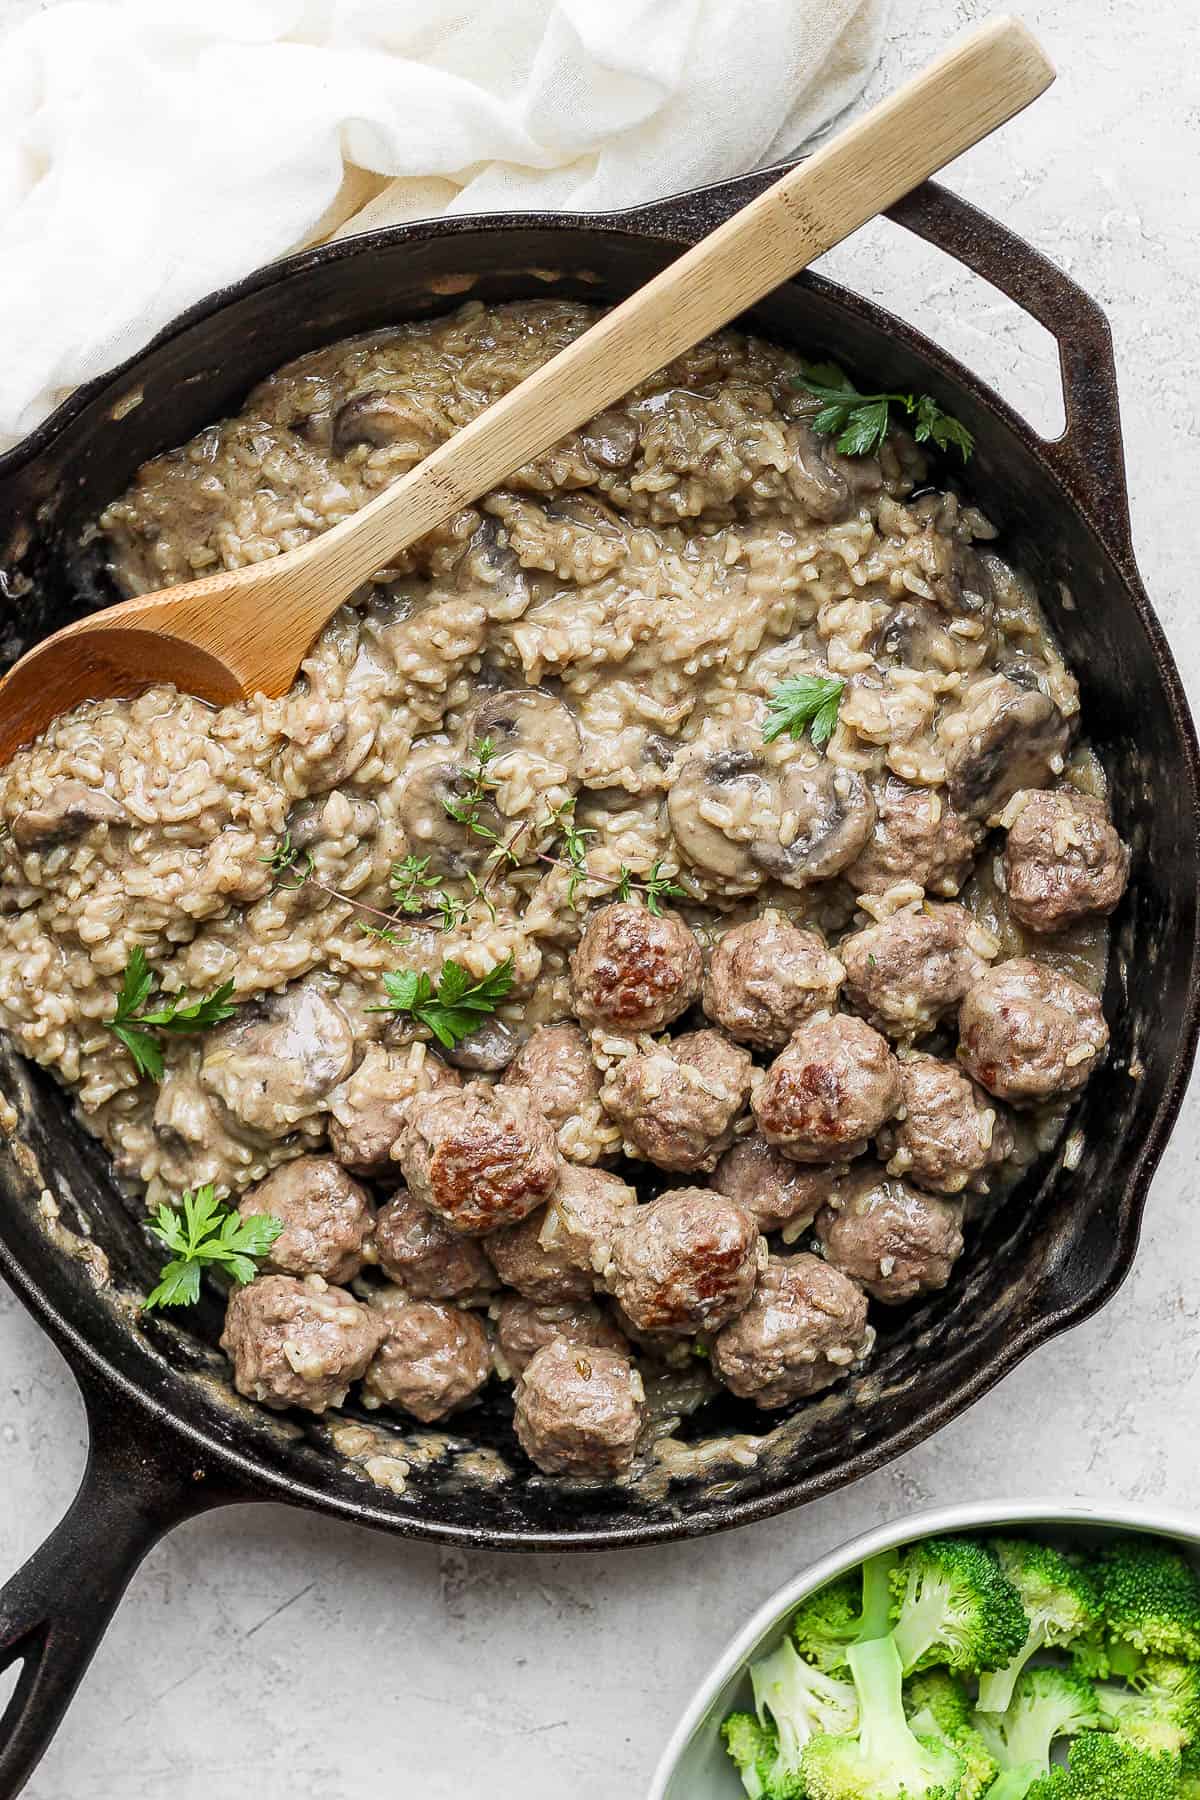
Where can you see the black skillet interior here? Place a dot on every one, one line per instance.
(1064, 1240)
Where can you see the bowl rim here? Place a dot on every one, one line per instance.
(968, 1515)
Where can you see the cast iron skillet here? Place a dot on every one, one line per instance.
(165, 1440)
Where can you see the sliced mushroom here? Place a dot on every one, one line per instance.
(532, 722)
(737, 816)
(308, 826)
(70, 811)
(611, 440)
(273, 1063)
(431, 830)
(1005, 737)
(487, 1050)
(376, 419)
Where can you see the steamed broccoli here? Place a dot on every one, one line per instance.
(1161, 1710)
(797, 1701)
(1047, 1703)
(886, 1760)
(1060, 1602)
(829, 1620)
(1189, 1773)
(754, 1748)
(1150, 1601)
(938, 1705)
(1102, 1767)
(953, 1604)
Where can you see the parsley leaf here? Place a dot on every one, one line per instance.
(203, 1232)
(805, 703)
(860, 421)
(136, 1028)
(454, 1008)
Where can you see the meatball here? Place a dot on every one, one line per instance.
(766, 977)
(684, 1263)
(539, 1270)
(950, 1131)
(677, 1103)
(1026, 1031)
(895, 1240)
(578, 1410)
(555, 1064)
(478, 1158)
(829, 1091)
(906, 972)
(432, 1361)
(425, 1256)
(1063, 860)
(298, 1343)
(588, 1209)
(369, 1110)
(918, 837)
(803, 1329)
(779, 1194)
(522, 1327)
(634, 971)
(326, 1217)
(1003, 737)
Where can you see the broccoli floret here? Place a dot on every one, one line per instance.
(828, 1621)
(953, 1604)
(1060, 1603)
(797, 1701)
(1047, 1703)
(886, 1760)
(1189, 1773)
(754, 1748)
(1102, 1767)
(938, 1705)
(1150, 1600)
(1161, 1710)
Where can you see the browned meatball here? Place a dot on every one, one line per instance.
(326, 1216)
(895, 1240)
(541, 1271)
(1026, 1031)
(480, 1157)
(425, 1256)
(633, 971)
(298, 1343)
(766, 977)
(578, 1410)
(1004, 737)
(585, 1215)
(684, 1263)
(522, 1327)
(677, 1103)
(1063, 860)
(950, 1131)
(906, 972)
(556, 1065)
(779, 1194)
(918, 837)
(803, 1329)
(829, 1091)
(368, 1112)
(433, 1359)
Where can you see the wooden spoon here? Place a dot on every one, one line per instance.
(245, 631)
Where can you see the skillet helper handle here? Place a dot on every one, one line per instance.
(54, 1610)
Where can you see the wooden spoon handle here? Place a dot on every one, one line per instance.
(972, 88)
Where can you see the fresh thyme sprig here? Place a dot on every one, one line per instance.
(285, 861)
(861, 420)
(805, 703)
(410, 882)
(204, 1233)
(136, 1024)
(465, 809)
(655, 887)
(452, 1009)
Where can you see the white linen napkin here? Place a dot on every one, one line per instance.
(151, 150)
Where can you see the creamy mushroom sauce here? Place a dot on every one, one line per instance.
(614, 618)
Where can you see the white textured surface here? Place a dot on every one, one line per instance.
(292, 1657)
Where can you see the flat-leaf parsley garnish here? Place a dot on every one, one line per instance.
(805, 703)
(137, 1023)
(455, 1007)
(204, 1233)
(861, 421)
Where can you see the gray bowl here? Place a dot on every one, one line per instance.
(694, 1765)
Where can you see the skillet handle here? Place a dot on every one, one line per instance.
(55, 1610)
(1089, 457)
